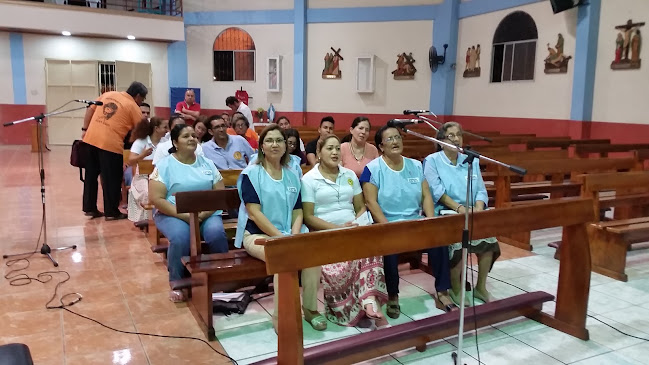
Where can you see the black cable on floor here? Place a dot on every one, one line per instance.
(618, 330)
(46, 276)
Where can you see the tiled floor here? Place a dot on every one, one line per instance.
(124, 285)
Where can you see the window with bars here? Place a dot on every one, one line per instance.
(106, 77)
(514, 48)
(234, 56)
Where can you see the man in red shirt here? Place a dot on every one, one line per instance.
(189, 108)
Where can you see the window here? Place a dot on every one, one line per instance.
(106, 77)
(234, 56)
(514, 48)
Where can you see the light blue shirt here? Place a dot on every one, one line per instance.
(445, 178)
(277, 199)
(293, 164)
(232, 157)
(179, 177)
(400, 192)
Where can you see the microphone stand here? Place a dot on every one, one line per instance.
(46, 250)
(471, 155)
(426, 119)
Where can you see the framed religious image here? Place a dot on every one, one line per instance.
(273, 74)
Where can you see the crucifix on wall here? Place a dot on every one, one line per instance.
(627, 46)
(332, 65)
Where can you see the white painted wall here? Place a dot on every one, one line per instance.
(270, 40)
(367, 3)
(225, 5)
(40, 47)
(95, 22)
(6, 86)
(546, 97)
(385, 40)
(621, 95)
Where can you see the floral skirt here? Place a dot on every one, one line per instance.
(347, 284)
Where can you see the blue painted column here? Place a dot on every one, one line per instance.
(442, 85)
(583, 83)
(17, 55)
(177, 69)
(299, 56)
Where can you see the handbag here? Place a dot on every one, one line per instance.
(79, 156)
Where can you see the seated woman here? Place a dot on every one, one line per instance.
(201, 130)
(356, 153)
(250, 133)
(332, 198)
(241, 127)
(395, 190)
(182, 171)
(271, 206)
(447, 178)
(146, 136)
(292, 142)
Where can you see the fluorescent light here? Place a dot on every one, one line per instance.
(131, 37)
(66, 33)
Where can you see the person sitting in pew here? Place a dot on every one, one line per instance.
(271, 206)
(184, 171)
(447, 178)
(292, 141)
(162, 151)
(395, 190)
(146, 137)
(357, 153)
(250, 132)
(332, 198)
(226, 151)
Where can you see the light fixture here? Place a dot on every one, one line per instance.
(66, 33)
(131, 37)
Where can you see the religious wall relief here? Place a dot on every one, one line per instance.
(472, 62)
(557, 62)
(627, 46)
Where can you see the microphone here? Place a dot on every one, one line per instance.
(89, 102)
(400, 123)
(415, 112)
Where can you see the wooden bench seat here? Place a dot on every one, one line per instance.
(610, 240)
(286, 255)
(220, 271)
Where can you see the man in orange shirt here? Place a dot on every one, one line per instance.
(104, 128)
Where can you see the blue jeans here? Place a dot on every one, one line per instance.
(128, 176)
(177, 232)
(437, 259)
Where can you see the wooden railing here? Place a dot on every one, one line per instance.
(160, 7)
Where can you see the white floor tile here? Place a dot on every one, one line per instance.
(638, 353)
(519, 326)
(237, 341)
(610, 358)
(539, 262)
(255, 313)
(599, 303)
(508, 269)
(601, 333)
(510, 351)
(635, 317)
(561, 346)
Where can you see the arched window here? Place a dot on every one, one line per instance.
(234, 56)
(514, 48)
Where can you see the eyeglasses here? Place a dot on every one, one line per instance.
(453, 136)
(393, 139)
(220, 126)
(270, 142)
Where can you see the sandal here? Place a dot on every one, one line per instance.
(377, 313)
(448, 304)
(177, 296)
(316, 320)
(456, 299)
(393, 309)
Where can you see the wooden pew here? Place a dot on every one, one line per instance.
(563, 143)
(557, 186)
(604, 149)
(214, 272)
(609, 241)
(285, 256)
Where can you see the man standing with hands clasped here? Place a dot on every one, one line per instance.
(189, 108)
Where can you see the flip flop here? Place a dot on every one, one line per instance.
(177, 296)
(317, 321)
(456, 300)
(447, 306)
(375, 309)
(393, 309)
